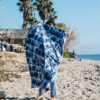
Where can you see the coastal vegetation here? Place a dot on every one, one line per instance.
(28, 10)
(68, 55)
(45, 10)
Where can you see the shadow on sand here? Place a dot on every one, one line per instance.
(26, 98)
(12, 98)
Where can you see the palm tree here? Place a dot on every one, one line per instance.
(52, 16)
(27, 8)
(24, 8)
(31, 20)
(45, 9)
(31, 15)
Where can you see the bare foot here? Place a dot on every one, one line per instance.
(40, 97)
(52, 99)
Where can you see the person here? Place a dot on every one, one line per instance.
(52, 88)
(44, 50)
(50, 22)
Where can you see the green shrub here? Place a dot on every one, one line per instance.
(68, 55)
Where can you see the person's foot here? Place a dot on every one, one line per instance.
(40, 97)
(52, 99)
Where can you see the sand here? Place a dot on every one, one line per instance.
(77, 80)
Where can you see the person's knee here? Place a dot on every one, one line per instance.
(53, 81)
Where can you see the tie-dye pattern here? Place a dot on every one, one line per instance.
(44, 51)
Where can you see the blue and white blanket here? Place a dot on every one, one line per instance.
(44, 51)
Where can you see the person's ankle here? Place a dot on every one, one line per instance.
(40, 97)
(52, 98)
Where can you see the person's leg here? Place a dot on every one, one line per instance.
(47, 88)
(53, 88)
(41, 92)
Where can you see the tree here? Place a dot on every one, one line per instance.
(27, 8)
(31, 15)
(70, 41)
(52, 16)
(62, 26)
(72, 36)
(45, 10)
(31, 20)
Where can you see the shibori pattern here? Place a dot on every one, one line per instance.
(44, 51)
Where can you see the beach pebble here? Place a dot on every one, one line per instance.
(76, 80)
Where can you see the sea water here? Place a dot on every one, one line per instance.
(89, 56)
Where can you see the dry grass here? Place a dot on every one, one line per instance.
(4, 76)
(10, 61)
(72, 39)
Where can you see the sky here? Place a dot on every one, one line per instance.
(82, 16)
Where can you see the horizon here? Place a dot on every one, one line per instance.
(83, 17)
(88, 54)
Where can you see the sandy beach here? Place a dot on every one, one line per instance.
(77, 80)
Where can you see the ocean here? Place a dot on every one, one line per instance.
(89, 56)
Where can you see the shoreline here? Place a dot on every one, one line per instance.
(89, 56)
(82, 59)
(89, 59)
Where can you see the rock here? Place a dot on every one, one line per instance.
(4, 76)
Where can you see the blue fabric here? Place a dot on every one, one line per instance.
(52, 88)
(44, 51)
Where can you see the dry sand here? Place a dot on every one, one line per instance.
(77, 80)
